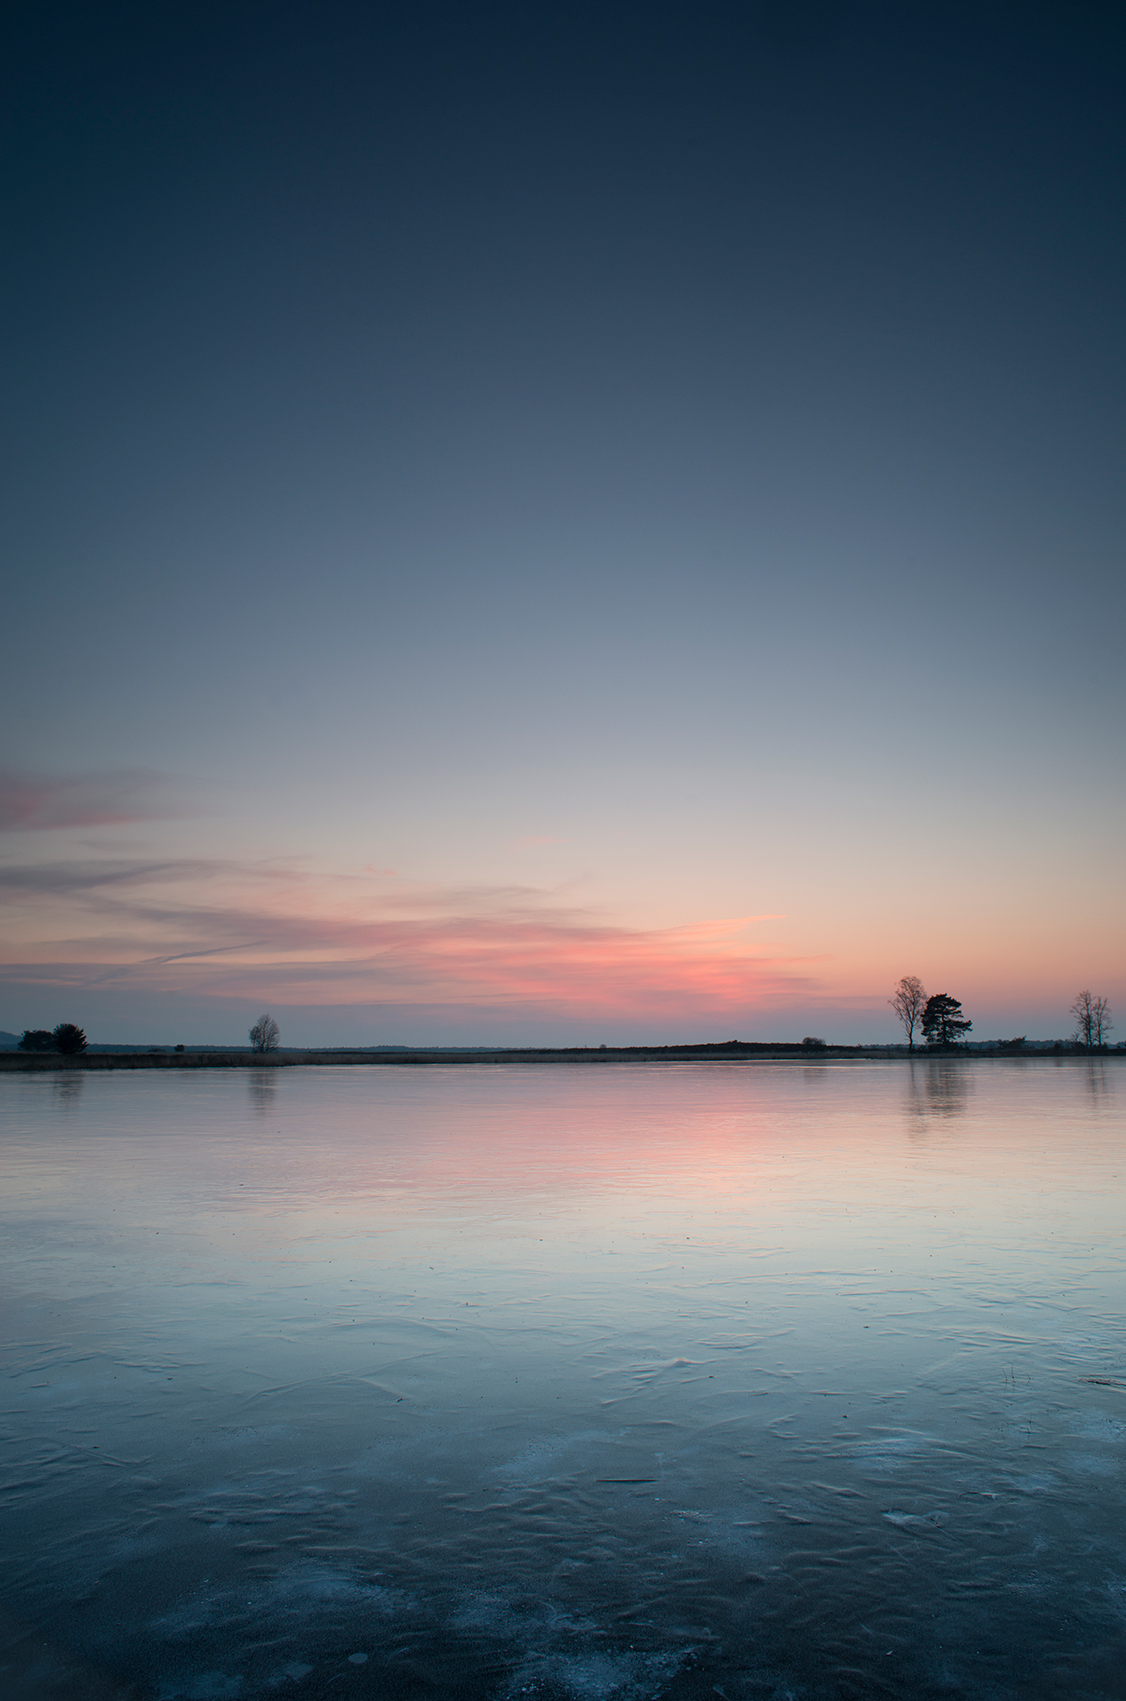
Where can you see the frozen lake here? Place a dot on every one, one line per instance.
(770, 1381)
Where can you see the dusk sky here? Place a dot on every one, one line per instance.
(562, 523)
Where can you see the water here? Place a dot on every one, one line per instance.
(766, 1381)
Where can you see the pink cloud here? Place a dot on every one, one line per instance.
(294, 937)
(30, 801)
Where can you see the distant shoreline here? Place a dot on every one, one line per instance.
(736, 1051)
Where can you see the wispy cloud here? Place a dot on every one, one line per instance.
(278, 933)
(71, 879)
(37, 802)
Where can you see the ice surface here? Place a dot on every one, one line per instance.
(613, 1383)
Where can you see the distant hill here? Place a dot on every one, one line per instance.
(8, 1042)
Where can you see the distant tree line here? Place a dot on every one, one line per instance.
(70, 1041)
(938, 1018)
(66, 1038)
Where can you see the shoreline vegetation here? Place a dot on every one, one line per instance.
(938, 1017)
(728, 1051)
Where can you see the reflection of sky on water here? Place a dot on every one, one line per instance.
(536, 1368)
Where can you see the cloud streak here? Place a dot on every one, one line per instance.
(65, 880)
(37, 802)
(224, 930)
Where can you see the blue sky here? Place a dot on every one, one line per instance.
(584, 523)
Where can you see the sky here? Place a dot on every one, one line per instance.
(561, 524)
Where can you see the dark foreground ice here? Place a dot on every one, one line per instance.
(769, 1381)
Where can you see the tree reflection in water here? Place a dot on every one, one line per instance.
(1099, 1088)
(263, 1088)
(66, 1088)
(937, 1087)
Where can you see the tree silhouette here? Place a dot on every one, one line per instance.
(909, 1003)
(265, 1033)
(942, 1021)
(71, 1041)
(36, 1039)
(1092, 1016)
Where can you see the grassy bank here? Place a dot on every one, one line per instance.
(733, 1051)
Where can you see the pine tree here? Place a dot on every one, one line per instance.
(943, 1023)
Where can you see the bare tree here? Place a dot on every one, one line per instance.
(265, 1033)
(1092, 1017)
(909, 1003)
